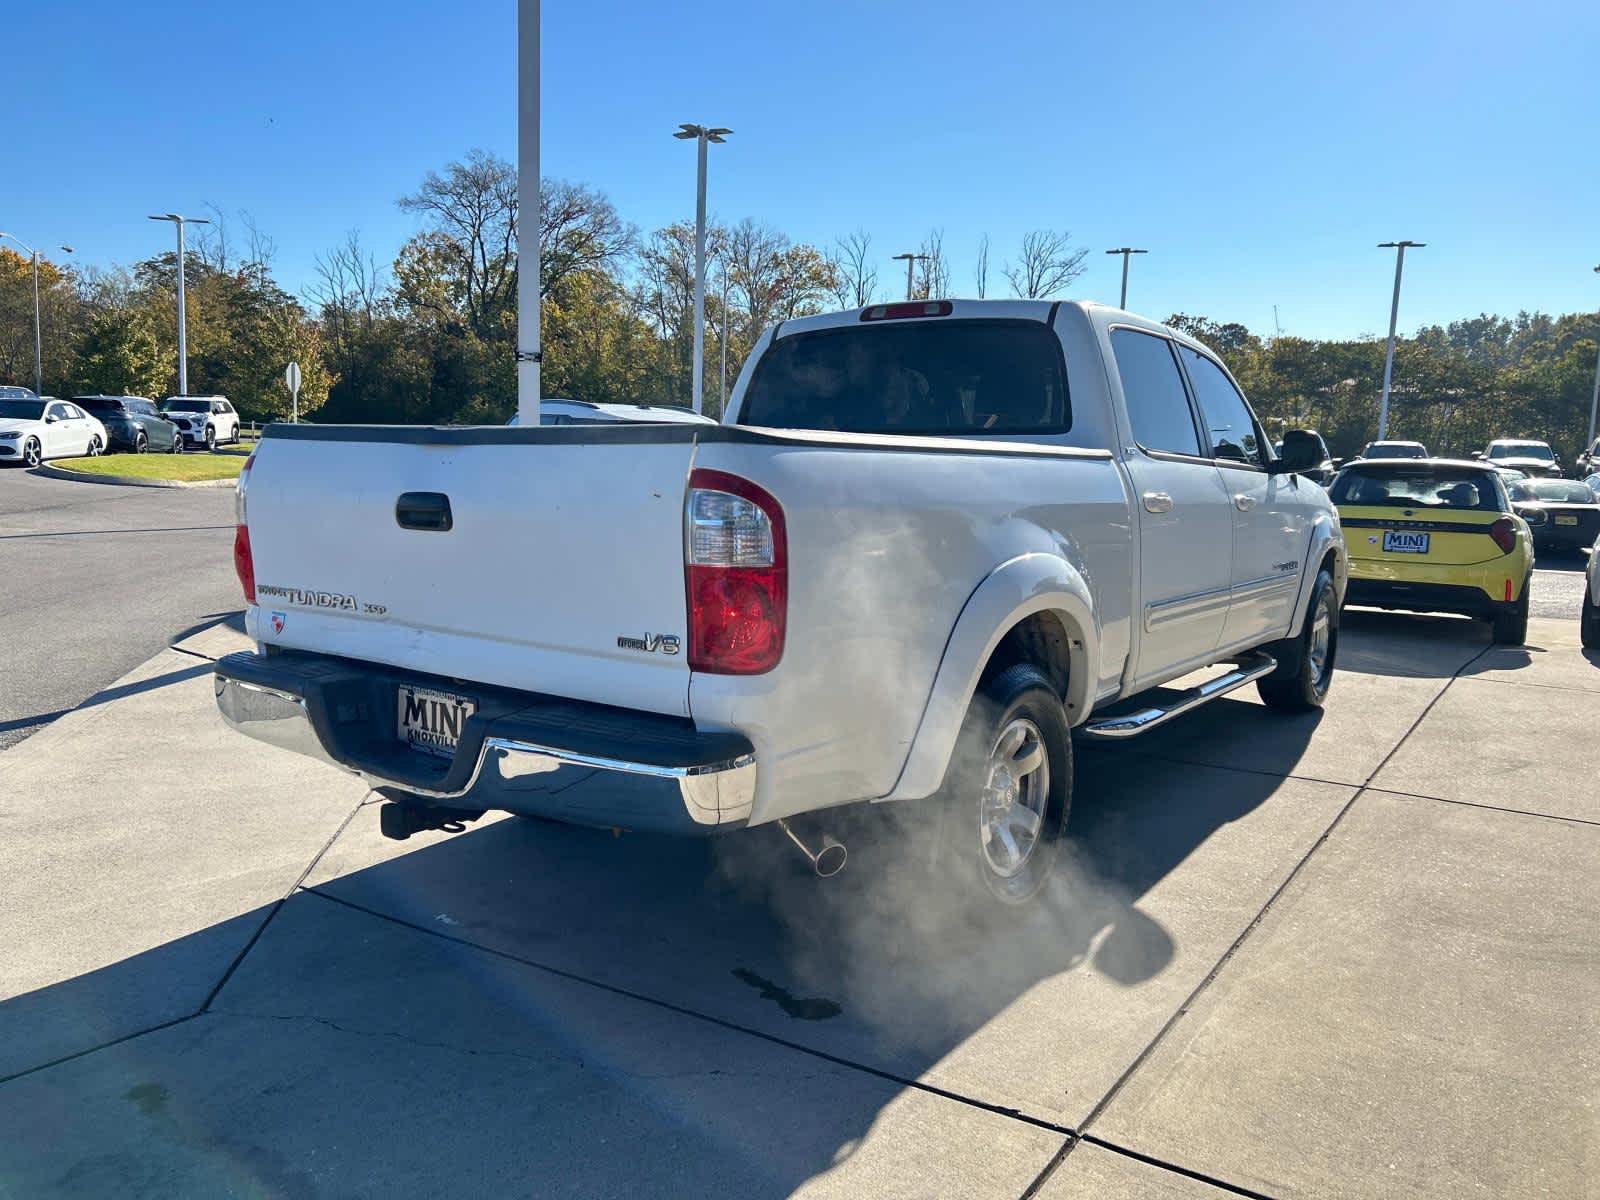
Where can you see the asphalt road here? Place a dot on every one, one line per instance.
(95, 579)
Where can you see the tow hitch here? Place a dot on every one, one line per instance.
(400, 821)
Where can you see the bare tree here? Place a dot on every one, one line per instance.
(1048, 262)
(933, 270)
(983, 268)
(579, 230)
(212, 246)
(858, 277)
(474, 205)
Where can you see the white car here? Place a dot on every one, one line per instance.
(203, 420)
(928, 542)
(34, 430)
(582, 412)
(1589, 623)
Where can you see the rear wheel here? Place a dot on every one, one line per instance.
(1305, 663)
(1511, 623)
(95, 446)
(1008, 790)
(1589, 622)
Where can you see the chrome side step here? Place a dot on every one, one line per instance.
(1248, 669)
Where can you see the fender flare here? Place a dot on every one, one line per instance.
(1325, 535)
(1013, 591)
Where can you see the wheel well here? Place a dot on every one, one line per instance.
(1040, 639)
(1329, 563)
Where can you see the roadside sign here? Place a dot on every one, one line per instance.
(291, 379)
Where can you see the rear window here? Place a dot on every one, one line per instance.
(101, 406)
(1556, 491)
(924, 377)
(1425, 487)
(1521, 450)
(1395, 450)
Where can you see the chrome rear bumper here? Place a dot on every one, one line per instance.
(690, 794)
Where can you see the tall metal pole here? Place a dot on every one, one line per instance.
(1125, 251)
(1394, 316)
(699, 271)
(911, 261)
(1594, 401)
(722, 407)
(529, 352)
(38, 344)
(183, 327)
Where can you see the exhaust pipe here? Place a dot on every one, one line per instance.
(827, 861)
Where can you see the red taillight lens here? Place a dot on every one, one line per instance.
(735, 575)
(1504, 534)
(244, 565)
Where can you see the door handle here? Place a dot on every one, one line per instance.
(1157, 502)
(424, 510)
(1244, 501)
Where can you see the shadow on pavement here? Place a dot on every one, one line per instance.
(111, 693)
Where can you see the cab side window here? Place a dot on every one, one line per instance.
(1234, 437)
(1158, 406)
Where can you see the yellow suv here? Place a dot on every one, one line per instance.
(1436, 535)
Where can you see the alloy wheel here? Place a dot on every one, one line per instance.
(95, 447)
(1015, 795)
(32, 455)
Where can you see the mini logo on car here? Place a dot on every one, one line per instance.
(278, 619)
(650, 643)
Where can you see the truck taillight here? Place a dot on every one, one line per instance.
(736, 575)
(244, 565)
(1504, 534)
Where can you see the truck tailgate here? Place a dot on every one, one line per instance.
(561, 572)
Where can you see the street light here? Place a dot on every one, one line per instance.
(183, 333)
(702, 135)
(530, 352)
(1125, 251)
(38, 343)
(1399, 249)
(911, 261)
(1594, 401)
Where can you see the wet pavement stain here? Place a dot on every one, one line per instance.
(804, 1008)
(150, 1097)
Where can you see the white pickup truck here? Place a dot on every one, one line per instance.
(928, 540)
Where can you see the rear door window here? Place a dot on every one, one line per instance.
(1234, 437)
(941, 377)
(1158, 405)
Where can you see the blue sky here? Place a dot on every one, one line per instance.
(1258, 150)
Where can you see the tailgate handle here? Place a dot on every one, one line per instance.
(424, 510)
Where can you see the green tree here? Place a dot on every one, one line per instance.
(119, 353)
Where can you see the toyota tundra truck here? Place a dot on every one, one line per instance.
(928, 545)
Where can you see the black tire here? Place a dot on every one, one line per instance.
(984, 845)
(1306, 663)
(177, 442)
(1511, 624)
(1589, 621)
(211, 438)
(141, 444)
(95, 446)
(32, 452)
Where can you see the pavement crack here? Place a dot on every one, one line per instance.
(399, 1036)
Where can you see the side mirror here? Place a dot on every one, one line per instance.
(1477, 454)
(51, 418)
(1302, 452)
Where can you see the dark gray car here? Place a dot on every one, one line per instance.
(133, 423)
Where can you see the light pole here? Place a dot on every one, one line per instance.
(38, 341)
(1594, 401)
(1399, 249)
(702, 136)
(183, 329)
(1125, 251)
(723, 391)
(530, 353)
(911, 261)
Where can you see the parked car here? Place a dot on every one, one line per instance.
(1437, 535)
(583, 412)
(133, 423)
(206, 421)
(1325, 469)
(1563, 513)
(12, 392)
(1589, 621)
(34, 430)
(1536, 458)
(1392, 450)
(903, 568)
(1588, 461)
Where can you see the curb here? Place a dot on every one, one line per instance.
(50, 472)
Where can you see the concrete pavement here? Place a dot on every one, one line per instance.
(1353, 954)
(94, 580)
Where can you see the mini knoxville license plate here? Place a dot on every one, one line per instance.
(432, 721)
(1405, 543)
(1560, 520)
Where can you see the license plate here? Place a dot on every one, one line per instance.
(432, 721)
(1566, 520)
(1405, 543)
